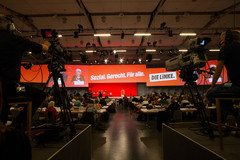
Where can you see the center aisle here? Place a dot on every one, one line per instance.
(126, 139)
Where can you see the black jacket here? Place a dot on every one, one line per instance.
(12, 48)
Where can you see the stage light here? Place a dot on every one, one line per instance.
(122, 35)
(80, 28)
(140, 60)
(187, 34)
(102, 35)
(150, 50)
(182, 50)
(214, 50)
(148, 44)
(139, 18)
(161, 51)
(149, 57)
(59, 36)
(121, 60)
(134, 61)
(154, 43)
(105, 61)
(114, 51)
(162, 25)
(170, 34)
(75, 34)
(81, 42)
(87, 44)
(94, 45)
(142, 34)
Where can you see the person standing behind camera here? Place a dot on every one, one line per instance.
(12, 47)
(229, 57)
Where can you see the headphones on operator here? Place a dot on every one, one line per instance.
(228, 37)
(6, 24)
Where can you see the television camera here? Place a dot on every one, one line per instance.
(59, 55)
(189, 64)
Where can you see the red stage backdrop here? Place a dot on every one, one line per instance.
(114, 88)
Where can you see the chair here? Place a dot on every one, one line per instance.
(218, 98)
(27, 101)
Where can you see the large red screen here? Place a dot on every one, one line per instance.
(82, 75)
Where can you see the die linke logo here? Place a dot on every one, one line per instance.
(162, 76)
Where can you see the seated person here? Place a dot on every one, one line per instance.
(141, 99)
(77, 102)
(98, 106)
(102, 102)
(155, 101)
(134, 99)
(51, 108)
(91, 107)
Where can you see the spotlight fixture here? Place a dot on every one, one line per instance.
(59, 36)
(81, 42)
(134, 61)
(88, 44)
(80, 28)
(105, 61)
(140, 60)
(160, 51)
(139, 18)
(121, 60)
(142, 34)
(122, 35)
(94, 45)
(149, 57)
(148, 44)
(154, 43)
(75, 34)
(103, 19)
(170, 34)
(162, 25)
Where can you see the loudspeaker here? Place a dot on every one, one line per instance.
(149, 57)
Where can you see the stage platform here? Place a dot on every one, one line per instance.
(186, 141)
(79, 146)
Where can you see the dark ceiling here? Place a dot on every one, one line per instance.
(123, 18)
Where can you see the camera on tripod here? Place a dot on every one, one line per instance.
(190, 62)
(194, 57)
(60, 55)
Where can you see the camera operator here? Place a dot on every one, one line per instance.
(229, 57)
(12, 47)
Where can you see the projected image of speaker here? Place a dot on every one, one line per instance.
(149, 57)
